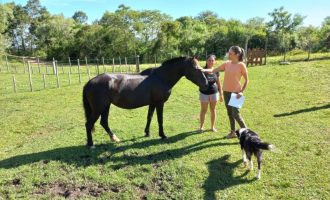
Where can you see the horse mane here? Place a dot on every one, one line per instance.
(148, 71)
(175, 60)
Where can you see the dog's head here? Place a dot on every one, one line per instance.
(240, 132)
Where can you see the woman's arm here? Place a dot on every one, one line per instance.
(245, 76)
(219, 88)
(217, 69)
(246, 80)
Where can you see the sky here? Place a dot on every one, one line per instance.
(314, 10)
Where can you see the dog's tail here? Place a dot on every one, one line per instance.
(264, 145)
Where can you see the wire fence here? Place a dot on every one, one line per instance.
(33, 74)
(23, 74)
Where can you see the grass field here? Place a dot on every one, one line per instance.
(43, 153)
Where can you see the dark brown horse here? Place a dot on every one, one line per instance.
(151, 87)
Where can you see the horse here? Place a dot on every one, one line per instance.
(150, 87)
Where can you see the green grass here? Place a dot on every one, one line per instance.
(43, 153)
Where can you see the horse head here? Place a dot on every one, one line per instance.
(194, 73)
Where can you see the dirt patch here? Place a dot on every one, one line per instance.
(72, 191)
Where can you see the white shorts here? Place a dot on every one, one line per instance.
(209, 97)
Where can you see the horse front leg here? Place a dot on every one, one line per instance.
(159, 109)
(149, 117)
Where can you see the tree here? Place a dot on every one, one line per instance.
(56, 36)
(80, 17)
(193, 34)
(6, 14)
(283, 24)
(37, 15)
(308, 38)
(254, 27)
(325, 33)
(18, 29)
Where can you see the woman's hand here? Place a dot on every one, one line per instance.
(207, 70)
(239, 95)
(221, 98)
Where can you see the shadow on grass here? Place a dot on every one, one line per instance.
(221, 176)
(310, 59)
(120, 156)
(315, 108)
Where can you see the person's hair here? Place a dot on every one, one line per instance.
(207, 57)
(238, 51)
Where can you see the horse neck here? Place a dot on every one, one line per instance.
(170, 74)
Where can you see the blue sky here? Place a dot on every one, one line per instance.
(314, 10)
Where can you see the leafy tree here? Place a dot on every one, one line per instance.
(193, 34)
(325, 34)
(308, 38)
(55, 36)
(6, 14)
(254, 28)
(283, 24)
(80, 17)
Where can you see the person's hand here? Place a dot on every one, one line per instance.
(221, 98)
(207, 70)
(239, 95)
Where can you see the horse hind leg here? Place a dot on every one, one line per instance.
(105, 124)
(149, 117)
(159, 109)
(90, 128)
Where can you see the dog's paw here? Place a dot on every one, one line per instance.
(258, 175)
(245, 162)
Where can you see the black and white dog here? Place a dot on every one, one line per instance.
(251, 144)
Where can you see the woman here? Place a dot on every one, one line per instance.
(234, 69)
(211, 95)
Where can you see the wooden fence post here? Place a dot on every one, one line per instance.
(137, 63)
(24, 65)
(7, 64)
(54, 67)
(88, 71)
(44, 80)
(57, 76)
(70, 63)
(120, 64)
(103, 64)
(126, 65)
(38, 64)
(14, 83)
(155, 60)
(30, 76)
(69, 77)
(62, 66)
(97, 65)
(113, 65)
(79, 71)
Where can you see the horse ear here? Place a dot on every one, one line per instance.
(196, 57)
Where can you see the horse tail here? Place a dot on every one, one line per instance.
(87, 106)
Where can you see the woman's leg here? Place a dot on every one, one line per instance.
(239, 118)
(227, 96)
(202, 114)
(213, 115)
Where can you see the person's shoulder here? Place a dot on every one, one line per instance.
(226, 63)
(242, 64)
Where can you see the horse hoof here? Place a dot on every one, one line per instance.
(90, 146)
(163, 137)
(115, 138)
(146, 135)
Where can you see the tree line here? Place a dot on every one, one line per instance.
(31, 30)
